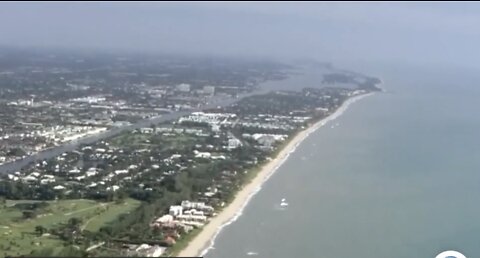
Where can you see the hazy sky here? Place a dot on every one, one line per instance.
(416, 32)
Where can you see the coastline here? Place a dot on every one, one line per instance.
(205, 240)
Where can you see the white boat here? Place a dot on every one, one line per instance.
(252, 253)
(284, 203)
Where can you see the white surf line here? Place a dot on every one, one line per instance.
(308, 131)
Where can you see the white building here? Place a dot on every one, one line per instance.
(59, 187)
(74, 171)
(165, 219)
(113, 188)
(175, 210)
(215, 128)
(146, 130)
(191, 217)
(266, 140)
(184, 87)
(121, 171)
(210, 90)
(150, 251)
(234, 143)
(187, 205)
(204, 155)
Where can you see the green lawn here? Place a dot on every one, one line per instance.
(17, 235)
(110, 214)
(130, 139)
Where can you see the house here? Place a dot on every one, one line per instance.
(165, 219)
(187, 205)
(193, 223)
(234, 143)
(204, 155)
(266, 140)
(191, 217)
(146, 130)
(79, 178)
(74, 171)
(209, 90)
(91, 172)
(122, 171)
(35, 174)
(59, 187)
(92, 185)
(184, 87)
(29, 179)
(175, 210)
(47, 180)
(113, 188)
(12, 177)
(215, 128)
(211, 192)
(149, 251)
(193, 212)
(193, 131)
(163, 129)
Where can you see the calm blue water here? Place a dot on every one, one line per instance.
(399, 177)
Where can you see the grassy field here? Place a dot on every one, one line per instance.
(131, 139)
(109, 215)
(17, 234)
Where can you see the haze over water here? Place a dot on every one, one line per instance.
(398, 177)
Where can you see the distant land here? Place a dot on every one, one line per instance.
(147, 155)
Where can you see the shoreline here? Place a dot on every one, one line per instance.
(205, 240)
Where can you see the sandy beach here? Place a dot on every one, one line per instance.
(205, 239)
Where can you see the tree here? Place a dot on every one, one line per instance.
(121, 196)
(40, 230)
(28, 214)
(3, 201)
(74, 222)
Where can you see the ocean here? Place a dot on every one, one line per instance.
(397, 175)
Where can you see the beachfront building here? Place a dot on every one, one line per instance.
(175, 210)
(191, 217)
(164, 219)
(187, 205)
(149, 251)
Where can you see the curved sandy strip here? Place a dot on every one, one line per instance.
(205, 240)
